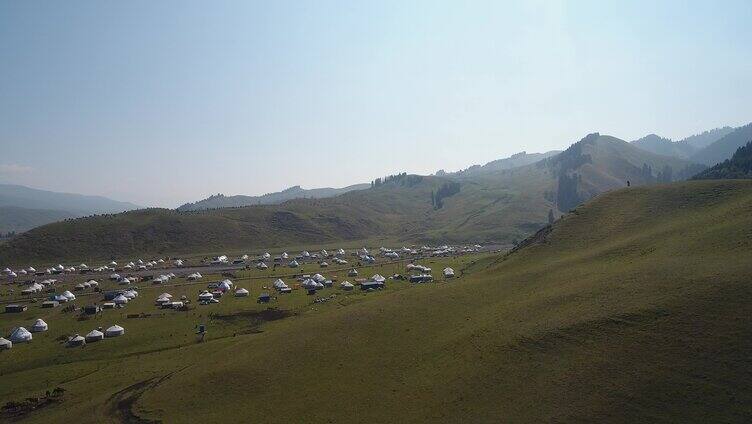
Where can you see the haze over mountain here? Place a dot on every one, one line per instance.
(724, 148)
(24, 208)
(663, 146)
(739, 166)
(514, 161)
(296, 192)
(498, 206)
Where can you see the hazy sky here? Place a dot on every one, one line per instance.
(162, 102)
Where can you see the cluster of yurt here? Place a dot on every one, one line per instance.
(95, 336)
(33, 288)
(164, 278)
(206, 298)
(281, 286)
(87, 285)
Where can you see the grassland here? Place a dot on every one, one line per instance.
(633, 308)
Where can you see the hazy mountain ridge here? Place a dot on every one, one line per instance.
(15, 219)
(295, 192)
(515, 161)
(739, 166)
(664, 146)
(724, 147)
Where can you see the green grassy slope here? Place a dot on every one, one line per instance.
(634, 308)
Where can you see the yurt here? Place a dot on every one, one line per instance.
(60, 298)
(69, 295)
(205, 296)
(76, 341)
(378, 278)
(94, 336)
(346, 285)
(353, 273)
(93, 283)
(20, 335)
(448, 272)
(5, 344)
(114, 331)
(225, 286)
(242, 293)
(39, 326)
(294, 264)
(262, 265)
(167, 295)
(31, 269)
(120, 300)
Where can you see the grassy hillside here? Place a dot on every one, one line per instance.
(17, 219)
(76, 204)
(491, 207)
(634, 308)
(663, 146)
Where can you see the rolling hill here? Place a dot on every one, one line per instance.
(296, 192)
(498, 207)
(706, 138)
(633, 308)
(515, 161)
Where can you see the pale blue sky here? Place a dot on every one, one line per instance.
(165, 102)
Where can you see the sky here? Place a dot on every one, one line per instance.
(161, 103)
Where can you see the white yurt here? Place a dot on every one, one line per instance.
(318, 278)
(262, 265)
(242, 293)
(353, 273)
(94, 336)
(448, 272)
(294, 264)
(31, 269)
(130, 295)
(167, 295)
(69, 295)
(114, 331)
(346, 285)
(225, 286)
(162, 300)
(378, 278)
(5, 343)
(76, 341)
(120, 300)
(114, 277)
(93, 283)
(205, 296)
(20, 335)
(39, 326)
(60, 298)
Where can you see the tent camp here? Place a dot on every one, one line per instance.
(39, 326)
(346, 285)
(94, 336)
(5, 343)
(20, 335)
(114, 331)
(76, 341)
(120, 300)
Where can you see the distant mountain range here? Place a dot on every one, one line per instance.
(708, 148)
(23, 208)
(296, 192)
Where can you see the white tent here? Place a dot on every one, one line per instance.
(448, 272)
(114, 277)
(31, 269)
(293, 264)
(178, 262)
(205, 296)
(130, 294)
(285, 255)
(318, 278)
(69, 295)
(93, 283)
(94, 336)
(353, 273)
(241, 293)
(346, 285)
(225, 286)
(5, 343)
(60, 298)
(378, 278)
(20, 335)
(279, 284)
(262, 265)
(39, 326)
(7, 270)
(167, 295)
(114, 331)
(76, 341)
(120, 300)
